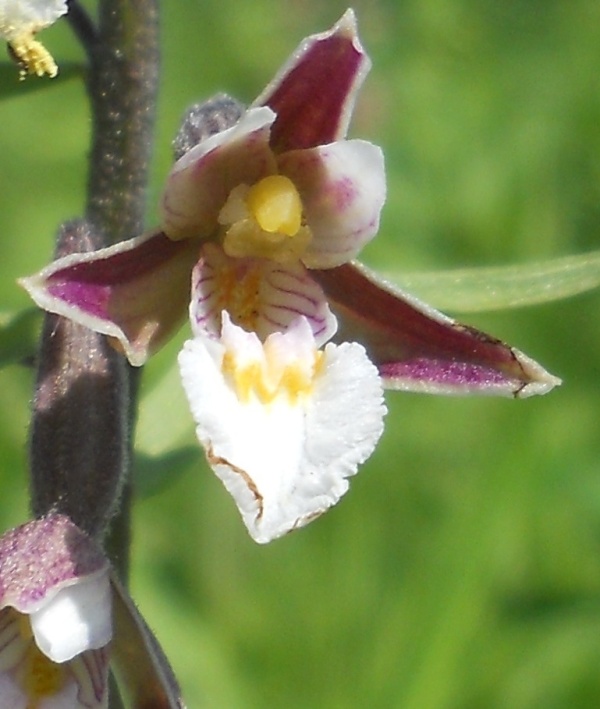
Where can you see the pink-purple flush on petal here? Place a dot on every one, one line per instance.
(41, 557)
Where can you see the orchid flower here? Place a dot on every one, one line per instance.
(260, 225)
(20, 20)
(55, 617)
(253, 206)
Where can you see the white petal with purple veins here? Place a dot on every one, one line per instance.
(342, 186)
(260, 295)
(200, 181)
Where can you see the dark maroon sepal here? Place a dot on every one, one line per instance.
(314, 93)
(416, 348)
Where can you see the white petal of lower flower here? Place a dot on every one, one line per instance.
(260, 295)
(76, 619)
(342, 186)
(275, 424)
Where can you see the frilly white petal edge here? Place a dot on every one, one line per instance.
(284, 462)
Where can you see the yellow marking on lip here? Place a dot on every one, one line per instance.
(294, 381)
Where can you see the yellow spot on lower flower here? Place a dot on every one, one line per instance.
(40, 677)
(24, 625)
(32, 56)
(265, 221)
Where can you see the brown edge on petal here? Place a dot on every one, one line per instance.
(218, 460)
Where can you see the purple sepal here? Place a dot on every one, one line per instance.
(417, 348)
(41, 557)
(136, 291)
(313, 94)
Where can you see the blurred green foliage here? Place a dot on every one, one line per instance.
(462, 570)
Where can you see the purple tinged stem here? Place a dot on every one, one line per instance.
(80, 427)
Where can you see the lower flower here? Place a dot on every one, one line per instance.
(29, 678)
(55, 618)
(283, 424)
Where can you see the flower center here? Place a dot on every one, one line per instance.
(265, 221)
(238, 292)
(275, 204)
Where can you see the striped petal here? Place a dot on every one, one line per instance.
(260, 295)
(30, 679)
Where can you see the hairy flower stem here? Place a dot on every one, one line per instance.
(122, 88)
(85, 400)
(79, 435)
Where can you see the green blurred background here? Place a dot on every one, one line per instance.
(462, 570)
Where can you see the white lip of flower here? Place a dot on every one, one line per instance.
(76, 619)
(20, 20)
(274, 420)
